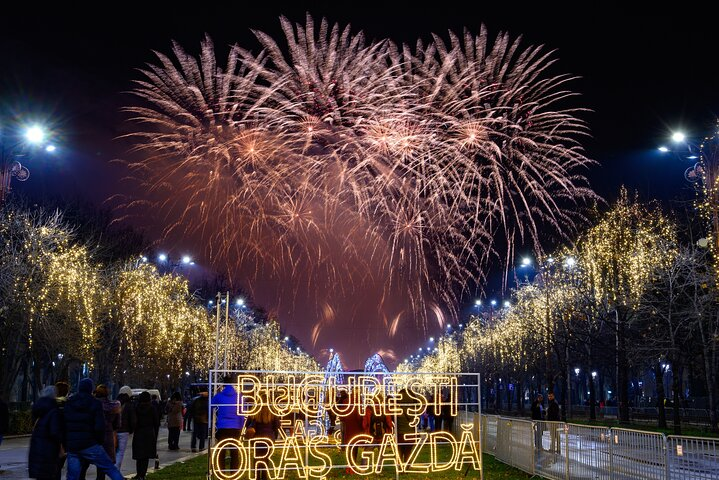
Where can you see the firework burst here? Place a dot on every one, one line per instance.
(338, 163)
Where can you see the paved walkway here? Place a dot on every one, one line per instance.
(13, 456)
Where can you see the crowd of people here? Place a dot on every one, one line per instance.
(88, 428)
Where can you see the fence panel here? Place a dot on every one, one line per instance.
(489, 433)
(550, 450)
(503, 441)
(588, 452)
(693, 458)
(638, 455)
(522, 451)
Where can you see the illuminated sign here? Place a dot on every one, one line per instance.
(390, 412)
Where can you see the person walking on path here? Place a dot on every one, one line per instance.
(538, 417)
(553, 415)
(144, 424)
(111, 413)
(85, 433)
(123, 433)
(228, 423)
(199, 408)
(174, 421)
(46, 437)
(61, 390)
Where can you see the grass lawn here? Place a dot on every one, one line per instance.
(196, 469)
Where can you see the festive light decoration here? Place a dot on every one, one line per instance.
(576, 290)
(289, 392)
(345, 160)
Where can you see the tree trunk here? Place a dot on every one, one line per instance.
(677, 390)
(659, 379)
(520, 397)
(567, 397)
(710, 379)
(622, 371)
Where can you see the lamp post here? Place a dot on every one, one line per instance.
(15, 145)
(704, 175)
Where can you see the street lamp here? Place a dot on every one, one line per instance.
(168, 262)
(13, 146)
(704, 174)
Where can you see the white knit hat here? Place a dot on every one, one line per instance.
(126, 389)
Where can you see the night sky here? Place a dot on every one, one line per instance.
(642, 76)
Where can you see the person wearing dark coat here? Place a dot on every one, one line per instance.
(85, 433)
(61, 391)
(123, 433)
(46, 437)
(538, 416)
(553, 415)
(111, 413)
(145, 424)
(199, 408)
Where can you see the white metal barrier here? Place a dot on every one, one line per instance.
(561, 451)
(693, 458)
(638, 454)
(588, 452)
(489, 433)
(515, 444)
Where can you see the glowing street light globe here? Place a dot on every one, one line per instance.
(240, 302)
(663, 149)
(162, 257)
(186, 259)
(35, 134)
(50, 148)
(678, 137)
(526, 261)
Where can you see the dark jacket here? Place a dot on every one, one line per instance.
(84, 422)
(199, 408)
(125, 413)
(45, 442)
(537, 413)
(267, 430)
(553, 411)
(144, 423)
(111, 413)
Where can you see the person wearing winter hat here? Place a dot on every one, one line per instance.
(85, 432)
